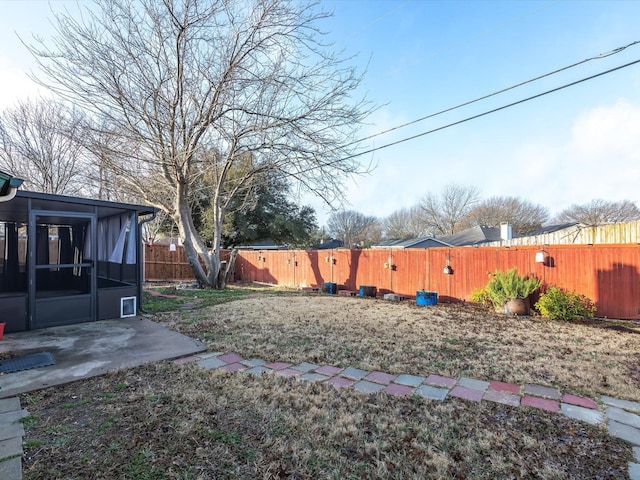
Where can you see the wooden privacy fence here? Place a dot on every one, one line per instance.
(607, 274)
(161, 264)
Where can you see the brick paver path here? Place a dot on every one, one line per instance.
(621, 417)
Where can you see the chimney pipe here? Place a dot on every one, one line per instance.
(505, 231)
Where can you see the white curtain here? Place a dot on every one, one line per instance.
(131, 242)
(114, 234)
(118, 245)
(88, 242)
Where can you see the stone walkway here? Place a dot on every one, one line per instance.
(622, 417)
(11, 432)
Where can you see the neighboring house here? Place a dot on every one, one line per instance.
(67, 260)
(550, 229)
(480, 235)
(424, 242)
(262, 245)
(579, 234)
(330, 244)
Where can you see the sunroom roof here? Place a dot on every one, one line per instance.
(17, 209)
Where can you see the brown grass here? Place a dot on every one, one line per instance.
(452, 340)
(168, 421)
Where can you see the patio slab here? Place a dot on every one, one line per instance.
(542, 403)
(505, 398)
(328, 370)
(624, 404)
(624, 432)
(90, 349)
(467, 393)
(473, 383)
(409, 380)
(622, 416)
(504, 387)
(584, 414)
(440, 381)
(11, 469)
(579, 401)
(542, 391)
(354, 373)
(365, 386)
(340, 382)
(432, 393)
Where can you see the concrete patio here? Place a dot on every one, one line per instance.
(90, 349)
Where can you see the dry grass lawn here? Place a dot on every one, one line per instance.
(452, 340)
(166, 421)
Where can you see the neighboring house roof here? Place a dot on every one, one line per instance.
(424, 242)
(473, 236)
(550, 229)
(330, 244)
(265, 244)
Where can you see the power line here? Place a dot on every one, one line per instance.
(413, 137)
(484, 97)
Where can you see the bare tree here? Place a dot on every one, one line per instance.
(600, 211)
(354, 228)
(444, 213)
(40, 143)
(524, 216)
(189, 88)
(406, 223)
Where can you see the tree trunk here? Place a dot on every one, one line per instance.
(230, 265)
(194, 248)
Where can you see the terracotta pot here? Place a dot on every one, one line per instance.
(517, 306)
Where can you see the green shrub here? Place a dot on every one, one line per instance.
(481, 296)
(505, 286)
(558, 304)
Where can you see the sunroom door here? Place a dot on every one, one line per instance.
(62, 280)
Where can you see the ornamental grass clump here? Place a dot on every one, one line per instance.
(509, 285)
(558, 304)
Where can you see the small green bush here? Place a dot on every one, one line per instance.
(558, 304)
(481, 296)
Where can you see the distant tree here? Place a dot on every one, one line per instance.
(600, 211)
(371, 235)
(318, 236)
(354, 228)
(444, 212)
(406, 223)
(40, 142)
(524, 216)
(267, 215)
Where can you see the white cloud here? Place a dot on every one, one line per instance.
(599, 159)
(611, 133)
(14, 84)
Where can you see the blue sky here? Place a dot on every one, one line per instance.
(567, 147)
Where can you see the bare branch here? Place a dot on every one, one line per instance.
(186, 90)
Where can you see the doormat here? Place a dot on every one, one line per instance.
(26, 362)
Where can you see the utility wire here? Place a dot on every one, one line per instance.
(488, 111)
(484, 97)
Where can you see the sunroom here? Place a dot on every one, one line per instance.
(67, 260)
